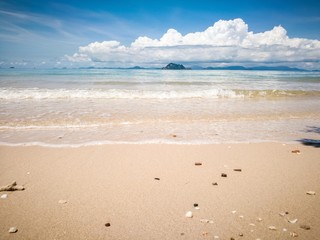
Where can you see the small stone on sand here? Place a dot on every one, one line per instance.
(204, 220)
(252, 224)
(223, 175)
(62, 201)
(305, 227)
(273, 228)
(237, 170)
(215, 184)
(174, 135)
(189, 214)
(216, 237)
(284, 229)
(157, 178)
(13, 230)
(198, 164)
(107, 225)
(259, 219)
(296, 151)
(234, 211)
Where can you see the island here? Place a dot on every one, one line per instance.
(174, 66)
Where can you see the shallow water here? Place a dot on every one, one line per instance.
(92, 106)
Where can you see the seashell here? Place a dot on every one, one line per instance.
(311, 193)
(216, 237)
(284, 229)
(282, 214)
(259, 219)
(13, 230)
(293, 234)
(189, 214)
(273, 228)
(234, 211)
(3, 196)
(292, 221)
(241, 216)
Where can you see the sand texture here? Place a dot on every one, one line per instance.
(142, 192)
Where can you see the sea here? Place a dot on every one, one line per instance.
(76, 107)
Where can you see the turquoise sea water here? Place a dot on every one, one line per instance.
(95, 106)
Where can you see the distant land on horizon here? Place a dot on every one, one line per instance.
(174, 66)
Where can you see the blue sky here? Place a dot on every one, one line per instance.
(43, 33)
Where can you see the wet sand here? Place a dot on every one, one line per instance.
(144, 191)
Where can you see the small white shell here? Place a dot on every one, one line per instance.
(13, 230)
(311, 193)
(292, 221)
(273, 228)
(3, 196)
(189, 214)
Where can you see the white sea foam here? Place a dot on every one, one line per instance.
(39, 94)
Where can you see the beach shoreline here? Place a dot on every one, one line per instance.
(143, 191)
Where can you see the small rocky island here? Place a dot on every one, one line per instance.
(174, 66)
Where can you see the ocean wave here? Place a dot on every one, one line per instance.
(56, 94)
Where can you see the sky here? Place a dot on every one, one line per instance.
(62, 33)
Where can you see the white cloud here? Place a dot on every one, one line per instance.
(225, 41)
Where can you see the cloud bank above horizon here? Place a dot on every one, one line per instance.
(226, 41)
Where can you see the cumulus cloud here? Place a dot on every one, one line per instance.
(225, 41)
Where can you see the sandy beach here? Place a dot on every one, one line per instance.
(144, 192)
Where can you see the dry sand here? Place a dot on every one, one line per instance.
(116, 184)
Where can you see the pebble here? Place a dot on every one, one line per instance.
(273, 228)
(305, 227)
(62, 201)
(174, 135)
(216, 237)
(293, 234)
(223, 175)
(282, 214)
(13, 230)
(195, 204)
(241, 234)
(237, 170)
(3, 196)
(259, 219)
(234, 211)
(311, 193)
(156, 178)
(107, 225)
(284, 229)
(241, 216)
(215, 184)
(198, 163)
(252, 224)
(204, 220)
(296, 151)
(189, 214)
